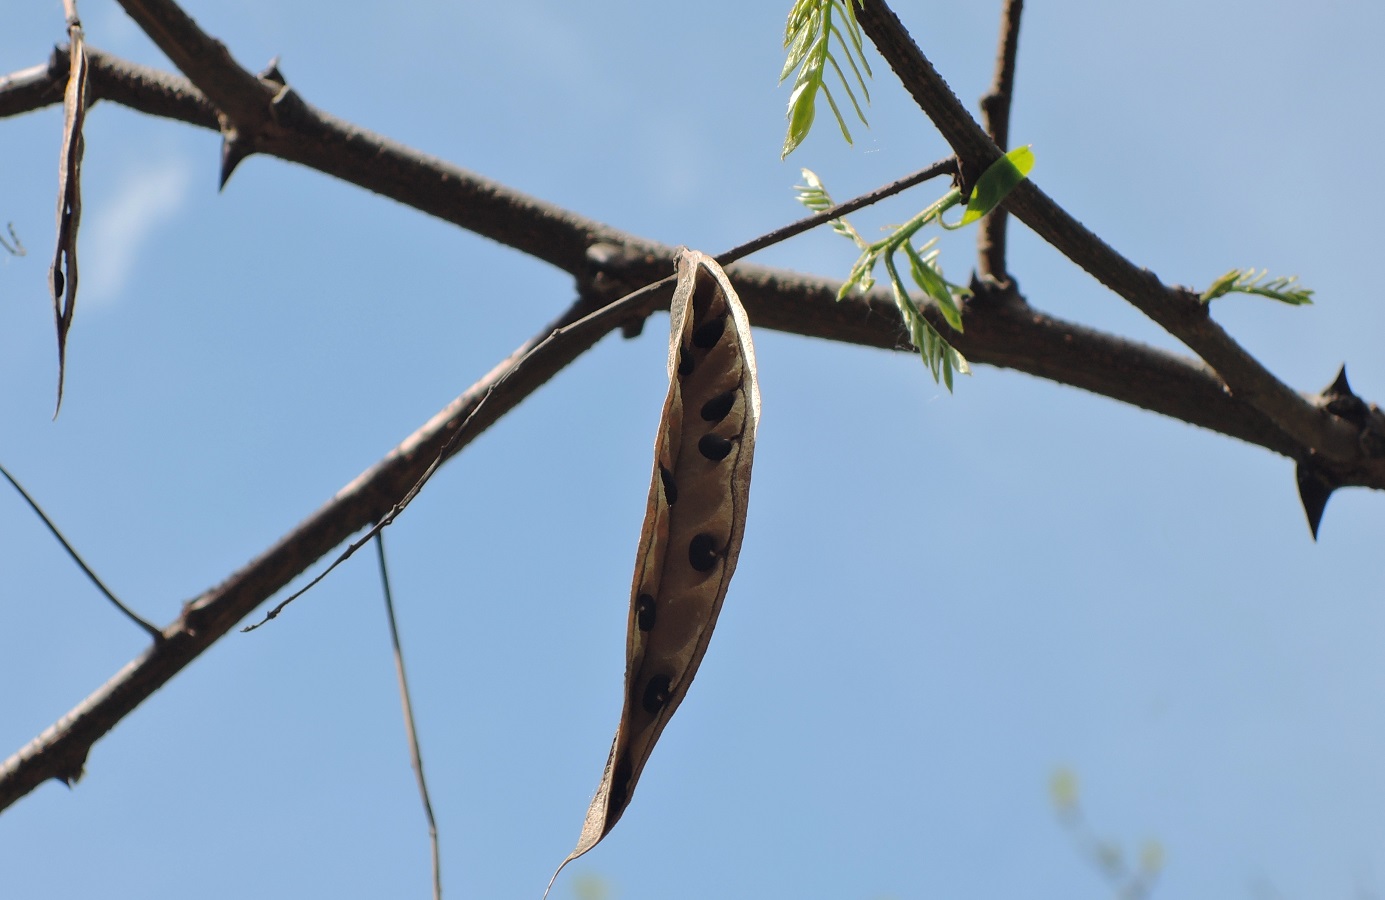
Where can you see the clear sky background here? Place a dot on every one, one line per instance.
(941, 599)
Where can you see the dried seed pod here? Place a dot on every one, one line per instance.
(688, 548)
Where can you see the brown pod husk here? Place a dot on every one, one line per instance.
(693, 523)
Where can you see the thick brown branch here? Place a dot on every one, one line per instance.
(208, 64)
(995, 107)
(775, 299)
(783, 301)
(1177, 311)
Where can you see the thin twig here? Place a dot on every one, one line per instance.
(410, 729)
(584, 333)
(81, 564)
(995, 109)
(941, 167)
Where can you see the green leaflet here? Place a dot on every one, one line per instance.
(808, 37)
(996, 183)
(1249, 281)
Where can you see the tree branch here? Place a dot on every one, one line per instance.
(999, 332)
(61, 750)
(995, 107)
(1177, 310)
(240, 95)
(784, 301)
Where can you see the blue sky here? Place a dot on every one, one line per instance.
(941, 599)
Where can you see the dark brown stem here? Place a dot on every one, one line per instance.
(995, 110)
(237, 93)
(1178, 311)
(780, 300)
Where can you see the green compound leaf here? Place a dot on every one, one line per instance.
(941, 358)
(1249, 281)
(996, 183)
(808, 37)
(927, 276)
(813, 195)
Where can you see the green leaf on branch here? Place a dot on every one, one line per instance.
(808, 38)
(941, 357)
(1249, 281)
(996, 183)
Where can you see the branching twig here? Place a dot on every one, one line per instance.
(238, 94)
(1012, 336)
(61, 750)
(410, 729)
(805, 305)
(1177, 311)
(995, 108)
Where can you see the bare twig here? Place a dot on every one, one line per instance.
(81, 564)
(941, 167)
(1178, 311)
(995, 108)
(410, 729)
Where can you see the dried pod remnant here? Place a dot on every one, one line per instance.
(693, 523)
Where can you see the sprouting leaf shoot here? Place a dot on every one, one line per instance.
(809, 35)
(991, 188)
(1250, 281)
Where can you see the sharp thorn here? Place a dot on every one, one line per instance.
(232, 152)
(1314, 489)
(271, 72)
(1339, 386)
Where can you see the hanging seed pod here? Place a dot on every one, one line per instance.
(693, 523)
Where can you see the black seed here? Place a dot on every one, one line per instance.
(708, 333)
(670, 486)
(656, 693)
(644, 612)
(702, 552)
(714, 447)
(58, 285)
(620, 786)
(715, 409)
(685, 363)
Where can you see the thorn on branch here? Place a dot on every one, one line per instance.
(1315, 482)
(234, 149)
(1342, 400)
(1315, 486)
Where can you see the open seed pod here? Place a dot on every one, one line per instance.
(692, 526)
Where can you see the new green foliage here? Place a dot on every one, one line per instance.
(811, 30)
(1249, 281)
(991, 188)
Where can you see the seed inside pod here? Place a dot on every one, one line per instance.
(656, 693)
(702, 552)
(714, 447)
(670, 486)
(708, 333)
(715, 409)
(644, 612)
